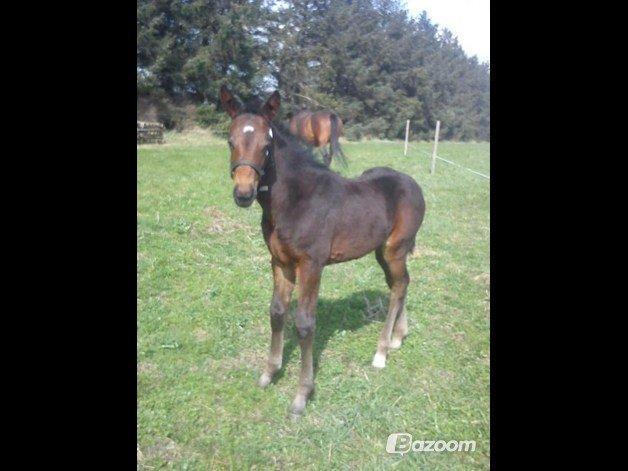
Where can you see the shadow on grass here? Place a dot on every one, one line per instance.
(334, 316)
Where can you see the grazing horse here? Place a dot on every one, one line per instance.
(312, 217)
(318, 129)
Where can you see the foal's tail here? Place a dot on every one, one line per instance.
(335, 135)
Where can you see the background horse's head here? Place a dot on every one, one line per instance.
(250, 139)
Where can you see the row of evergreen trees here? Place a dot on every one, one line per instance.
(368, 60)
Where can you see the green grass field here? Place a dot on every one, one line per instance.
(203, 331)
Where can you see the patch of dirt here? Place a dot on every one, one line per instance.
(446, 375)
(164, 449)
(200, 335)
(459, 336)
(246, 359)
(484, 278)
(219, 223)
(420, 252)
(146, 367)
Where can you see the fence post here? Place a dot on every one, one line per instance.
(433, 165)
(405, 150)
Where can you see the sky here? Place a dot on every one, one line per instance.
(469, 20)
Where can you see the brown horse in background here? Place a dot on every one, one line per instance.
(319, 128)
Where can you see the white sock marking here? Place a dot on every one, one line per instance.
(379, 360)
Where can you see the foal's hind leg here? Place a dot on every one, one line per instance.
(400, 331)
(284, 284)
(393, 261)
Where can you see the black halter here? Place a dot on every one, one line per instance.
(260, 170)
(267, 159)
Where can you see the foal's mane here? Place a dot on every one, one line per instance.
(288, 147)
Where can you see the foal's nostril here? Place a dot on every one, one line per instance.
(244, 198)
(245, 195)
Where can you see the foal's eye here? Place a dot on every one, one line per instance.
(267, 151)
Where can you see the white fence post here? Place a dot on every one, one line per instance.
(433, 165)
(405, 150)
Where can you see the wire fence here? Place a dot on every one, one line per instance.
(450, 162)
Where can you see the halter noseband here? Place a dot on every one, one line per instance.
(260, 170)
(253, 165)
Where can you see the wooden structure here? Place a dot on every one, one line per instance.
(150, 133)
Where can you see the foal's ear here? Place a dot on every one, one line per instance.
(228, 101)
(271, 108)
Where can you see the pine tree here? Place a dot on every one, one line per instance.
(367, 60)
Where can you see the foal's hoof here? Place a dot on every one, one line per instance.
(395, 343)
(264, 380)
(379, 360)
(297, 407)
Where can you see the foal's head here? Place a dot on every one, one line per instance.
(250, 139)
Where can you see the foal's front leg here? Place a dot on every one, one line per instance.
(284, 283)
(309, 275)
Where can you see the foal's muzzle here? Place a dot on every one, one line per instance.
(244, 200)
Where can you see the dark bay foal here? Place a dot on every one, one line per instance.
(312, 217)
